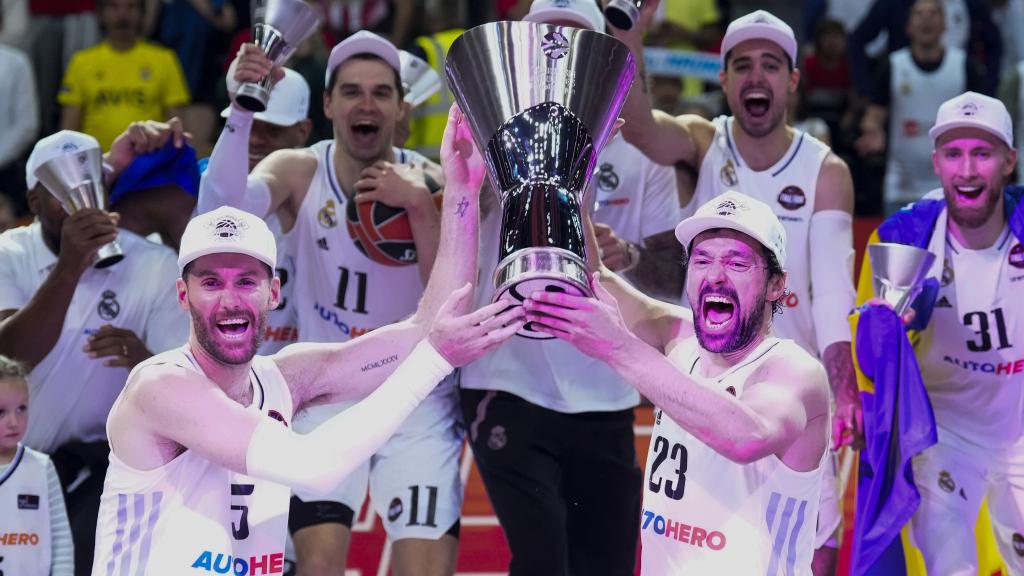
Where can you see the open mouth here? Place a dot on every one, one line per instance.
(365, 130)
(233, 327)
(971, 192)
(718, 311)
(756, 103)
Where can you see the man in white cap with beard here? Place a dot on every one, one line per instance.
(203, 456)
(742, 421)
(343, 293)
(970, 337)
(808, 187)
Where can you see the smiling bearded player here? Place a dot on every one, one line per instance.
(340, 292)
(203, 456)
(742, 417)
(808, 187)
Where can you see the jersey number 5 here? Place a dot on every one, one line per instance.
(241, 531)
(984, 341)
(663, 450)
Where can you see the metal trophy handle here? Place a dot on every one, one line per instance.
(898, 271)
(623, 14)
(279, 26)
(541, 101)
(76, 180)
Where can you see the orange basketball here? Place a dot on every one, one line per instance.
(383, 232)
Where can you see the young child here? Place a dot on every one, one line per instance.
(35, 538)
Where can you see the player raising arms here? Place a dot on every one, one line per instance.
(202, 454)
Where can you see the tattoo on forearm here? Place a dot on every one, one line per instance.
(659, 273)
(379, 363)
(461, 207)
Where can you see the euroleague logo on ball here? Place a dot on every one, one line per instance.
(555, 45)
(792, 198)
(383, 233)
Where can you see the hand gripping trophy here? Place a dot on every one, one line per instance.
(279, 27)
(73, 173)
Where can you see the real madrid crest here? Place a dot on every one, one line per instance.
(728, 174)
(108, 308)
(607, 179)
(327, 216)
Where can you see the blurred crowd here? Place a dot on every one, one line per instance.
(66, 66)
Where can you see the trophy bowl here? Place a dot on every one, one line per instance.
(75, 179)
(897, 272)
(279, 27)
(541, 101)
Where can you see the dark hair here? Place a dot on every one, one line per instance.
(399, 89)
(188, 268)
(12, 369)
(826, 27)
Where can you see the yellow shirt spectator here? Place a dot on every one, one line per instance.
(113, 89)
(684, 22)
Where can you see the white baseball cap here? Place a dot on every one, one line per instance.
(739, 212)
(973, 110)
(586, 13)
(53, 146)
(760, 25)
(362, 42)
(227, 230)
(288, 104)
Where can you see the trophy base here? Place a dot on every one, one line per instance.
(531, 270)
(253, 97)
(108, 256)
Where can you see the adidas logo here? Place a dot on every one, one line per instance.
(943, 303)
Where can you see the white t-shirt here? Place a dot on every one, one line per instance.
(704, 513)
(972, 353)
(191, 516)
(635, 197)
(790, 188)
(69, 392)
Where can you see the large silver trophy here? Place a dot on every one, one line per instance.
(541, 101)
(279, 27)
(75, 178)
(898, 271)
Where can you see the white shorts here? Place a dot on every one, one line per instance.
(413, 479)
(953, 477)
(830, 509)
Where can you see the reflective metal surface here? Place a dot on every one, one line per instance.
(419, 80)
(76, 180)
(898, 271)
(623, 14)
(279, 26)
(541, 101)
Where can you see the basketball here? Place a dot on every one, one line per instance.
(383, 232)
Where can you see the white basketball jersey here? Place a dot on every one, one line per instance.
(25, 547)
(789, 187)
(915, 97)
(705, 514)
(972, 353)
(191, 516)
(341, 293)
